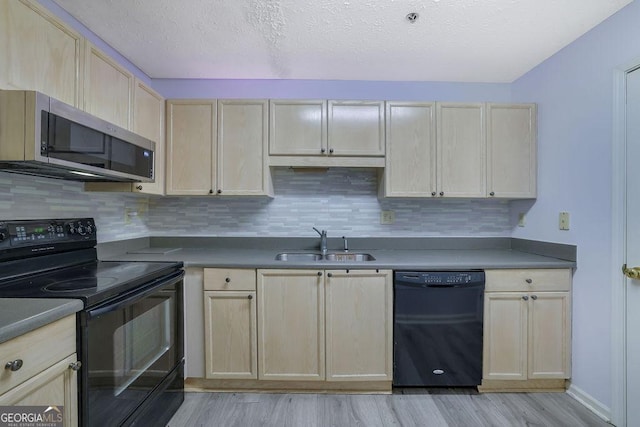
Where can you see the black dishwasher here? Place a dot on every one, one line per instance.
(438, 328)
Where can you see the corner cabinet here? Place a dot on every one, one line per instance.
(230, 323)
(527, 330)
(217, 148)
(39, 52)
(511, 150)
(47, 375)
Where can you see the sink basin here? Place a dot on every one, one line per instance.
(298, 257)
(335, 256)
(349, 257)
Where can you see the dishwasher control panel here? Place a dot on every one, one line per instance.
(440, 277)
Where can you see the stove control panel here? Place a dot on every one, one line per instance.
(39, 232)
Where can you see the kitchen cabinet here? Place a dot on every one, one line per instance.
(511, 150)
(39, 52)
(230, 323)
(320, 133)
(325, 324)
(359, 325)
(410, 167)
(291, 325)
(217, 147)
(460, 150)
(108, 88)
(527, 329)
(47, 375)
(148, 121)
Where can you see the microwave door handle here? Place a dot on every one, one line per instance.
(134, 296)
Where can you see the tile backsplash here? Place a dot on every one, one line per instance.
(342, 201)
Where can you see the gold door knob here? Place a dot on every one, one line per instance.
(631, 273)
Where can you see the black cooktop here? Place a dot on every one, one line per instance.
(92, 282)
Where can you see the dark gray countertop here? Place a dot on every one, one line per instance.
(21, 315)
(231, 253)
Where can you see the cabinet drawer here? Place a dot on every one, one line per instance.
(38, 350)
(229, 279)
(525, 280)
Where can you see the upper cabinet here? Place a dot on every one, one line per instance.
(326, 133)
(511, 150)
(461, 150)
(39, 52)
(217, 147)
(108, 88)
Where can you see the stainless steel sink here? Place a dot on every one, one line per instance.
(300, 257)
(335, 256)
(349, 257)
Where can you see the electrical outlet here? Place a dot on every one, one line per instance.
(563, 221)
(522, 220)
(387, 217)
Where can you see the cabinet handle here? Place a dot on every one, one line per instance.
(227, 280)
(250, 297)
(210, 191)
(14, 365)
(534, 297)
(319, 273)
(330, 150)
(492, 194)
(441, 193)
(139, 187)
(75, 366)
(322, 150)
(529, 281)
(329, 275)
(525, 297)
(433, 193)
(219, 191)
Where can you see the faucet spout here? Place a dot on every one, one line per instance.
(323, 241)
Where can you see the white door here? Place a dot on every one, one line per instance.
(633, 248)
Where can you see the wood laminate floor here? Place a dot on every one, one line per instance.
(407, 407)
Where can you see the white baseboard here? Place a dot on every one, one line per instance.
(590, 402)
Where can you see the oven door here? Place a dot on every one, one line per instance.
(131, 345)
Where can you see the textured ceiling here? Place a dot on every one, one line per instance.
(453, 40)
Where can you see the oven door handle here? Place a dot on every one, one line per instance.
(134, 295)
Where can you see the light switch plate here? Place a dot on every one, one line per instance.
(522, 219)
(387, 217)
(563, 221)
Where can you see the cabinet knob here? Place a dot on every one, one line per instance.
(14, 365)
(227, 280)
(433, 193)
(322, 150)
(330, 150)
(525, 297)
(534, 297)
(492, 194)
(210, 191)
(441, 193)
(319, 273)
(329, 275)
(139, 187)
(250, 297)
(529, 281)
(219, 191)
(75, 366)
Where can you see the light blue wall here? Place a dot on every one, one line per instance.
(574, 92)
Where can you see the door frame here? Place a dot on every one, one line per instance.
(618, 245)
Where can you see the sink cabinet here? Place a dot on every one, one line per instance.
(527, 329)
(46, 377)
(230, 325)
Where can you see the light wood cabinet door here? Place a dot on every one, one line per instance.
(291, 338)
(108, 88)
(39, 52)
(505, 336)
(297, 127)
(191, 147)
(148, 121)
(410, 169)
(549, 335)
(230, 334)
(461, 150)
(356, 128)
(511, 150)
(243, 138)
(359, 325)
(55, 386)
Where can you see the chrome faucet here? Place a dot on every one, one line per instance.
(323, 241)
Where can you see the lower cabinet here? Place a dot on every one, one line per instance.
(527, 329)
(45, 374)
